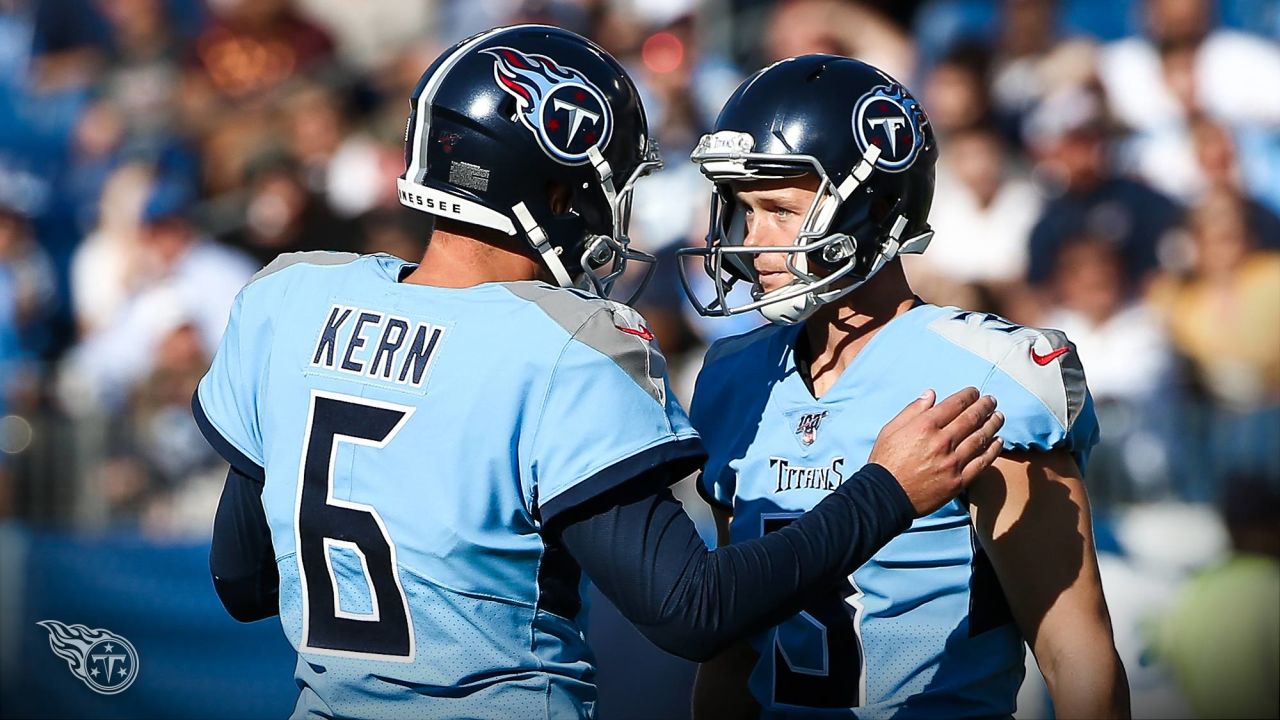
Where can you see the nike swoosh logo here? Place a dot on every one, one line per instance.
(643, 333)
(1048, 357)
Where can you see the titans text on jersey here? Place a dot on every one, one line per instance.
(798, 477)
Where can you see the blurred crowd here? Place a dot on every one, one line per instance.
(1111, 169)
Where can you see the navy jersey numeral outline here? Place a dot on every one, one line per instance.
(322, 521)
(842, 682)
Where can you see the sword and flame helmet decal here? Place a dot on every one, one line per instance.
(890, 119)
(564, 111)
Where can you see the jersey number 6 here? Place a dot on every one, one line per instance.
(324, 524)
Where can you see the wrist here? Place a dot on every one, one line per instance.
(882, 481)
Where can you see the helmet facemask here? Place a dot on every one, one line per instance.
(725, 157)
(605, 257)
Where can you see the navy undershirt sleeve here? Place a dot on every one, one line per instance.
(241, 558)
(645, 555)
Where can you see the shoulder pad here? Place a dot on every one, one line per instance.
(313, 257)
(612, 329)
(1042, 361)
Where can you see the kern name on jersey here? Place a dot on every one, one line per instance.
(922, 629)
(414, 440)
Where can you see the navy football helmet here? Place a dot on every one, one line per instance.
(506, 118)
(868, 142)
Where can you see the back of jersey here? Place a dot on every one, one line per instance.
(409, 441)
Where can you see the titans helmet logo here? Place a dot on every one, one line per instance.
(564, 111)
(104, 661)
(893, 121)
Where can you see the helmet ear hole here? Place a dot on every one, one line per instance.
(882, 207)
(559, 197)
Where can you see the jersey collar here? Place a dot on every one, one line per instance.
(847, 385)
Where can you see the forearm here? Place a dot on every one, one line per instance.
(647, 558)
(1086, 680)
(241, 558)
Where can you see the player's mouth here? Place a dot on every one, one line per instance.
(770, 280)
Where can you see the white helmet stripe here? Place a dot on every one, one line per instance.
(438, 202)
(423, 111)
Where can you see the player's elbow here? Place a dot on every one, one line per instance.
(695, 644)
(245, 599)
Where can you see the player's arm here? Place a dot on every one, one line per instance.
(645, 555)
(721, 688)
(241, 558)
(225, 408)
(1032, 516)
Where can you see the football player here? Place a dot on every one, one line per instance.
(424, 456)
(823, 172)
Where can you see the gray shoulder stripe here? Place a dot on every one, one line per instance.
(1073, 380)
(313, 257)
(569, 309)
(599, 324)
(638, 358)
(1060, 385)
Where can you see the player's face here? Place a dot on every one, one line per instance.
(775, 210)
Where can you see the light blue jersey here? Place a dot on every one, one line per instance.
(922, 629)
(415, 440)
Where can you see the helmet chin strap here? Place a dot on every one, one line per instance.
(604, 172)
(792, 311)
(550, 255)
(542, 245)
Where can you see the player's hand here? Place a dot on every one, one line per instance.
(935, 451)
